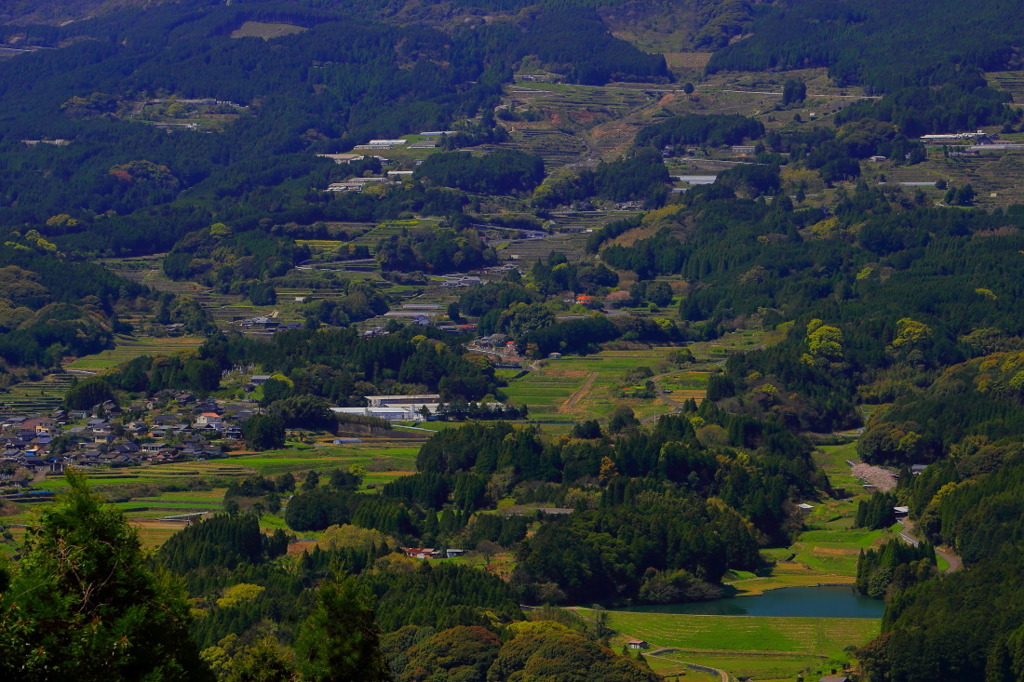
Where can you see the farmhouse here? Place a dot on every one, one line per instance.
(421, 552)
(209, 420)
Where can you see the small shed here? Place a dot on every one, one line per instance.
(637, 644)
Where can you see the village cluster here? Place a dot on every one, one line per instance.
(172, 426)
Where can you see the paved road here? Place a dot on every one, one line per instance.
(909, 536)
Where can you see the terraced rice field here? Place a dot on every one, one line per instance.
(130, 347)
(32, 397)
(385, 460)
(1011, 81)
(685, 385)
(592, 220)
(528, 251)
(544, 393)
(388, 457)
(746, 634)
(581, 104)
(556, 147)
(577, 388)
(391, 228)
(319, 248)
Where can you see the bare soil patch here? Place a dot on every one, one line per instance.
(687, 60)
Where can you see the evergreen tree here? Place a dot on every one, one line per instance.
(83, 605)
(339, 640)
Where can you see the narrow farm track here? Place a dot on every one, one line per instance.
(723, 676)
(578, 395)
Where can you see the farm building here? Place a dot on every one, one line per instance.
(401, 413)
(421, 552)
(342, 158)
(392, 400)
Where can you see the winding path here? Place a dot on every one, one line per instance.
(723, 675)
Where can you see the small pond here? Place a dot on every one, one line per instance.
(800, 602)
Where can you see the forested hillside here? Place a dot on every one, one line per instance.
(883, 45)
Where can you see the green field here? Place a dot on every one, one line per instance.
(151, 492)
(571, 389)
(826, 551)
(760, 647)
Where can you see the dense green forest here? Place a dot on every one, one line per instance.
(883, 45)
(317, 94)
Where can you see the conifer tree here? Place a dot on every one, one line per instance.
(340, 640)
(83, 605)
